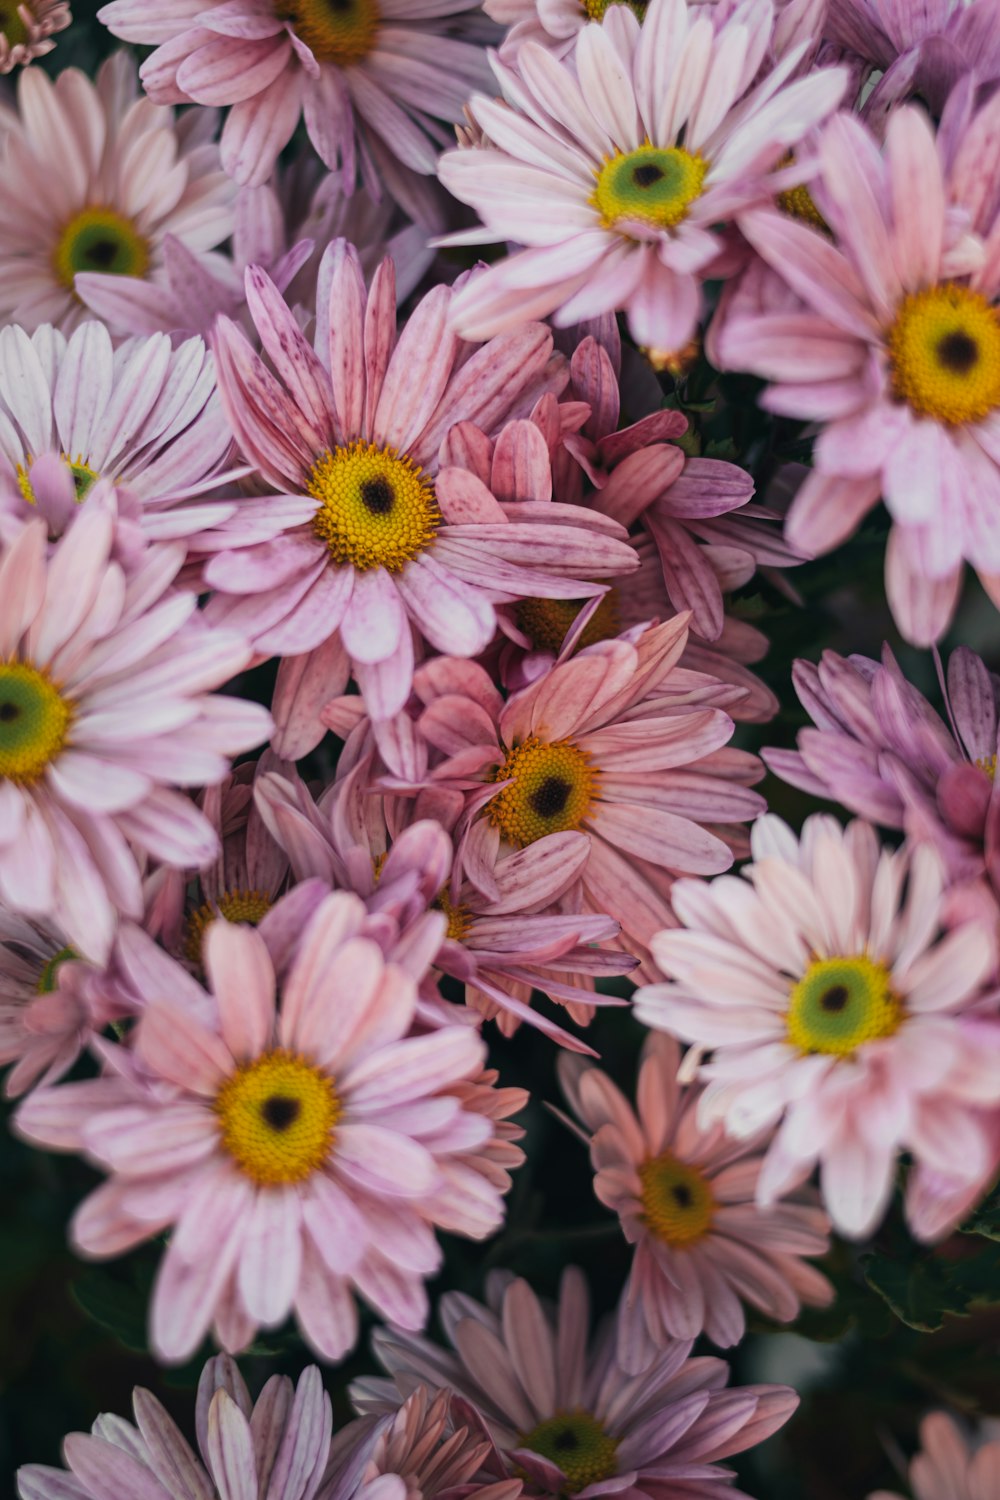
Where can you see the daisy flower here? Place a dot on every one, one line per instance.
(880, 749)
(382, 536)
(372, 81)
(618, 742)
(105, 710)
(27, 28)
(890, 339)
(268, 1449)
(685, 1198)
(948, 1467)
(50, 1005)
(295, 1151)
(839, 1017)
(79, 420)
(423, 1450)
(560, 1408)
(615, 177)
(68, 159)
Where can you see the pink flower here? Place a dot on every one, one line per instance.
(268, 1449)
(880, 749)
(27, 31)
(584, 165)
(373, 82)
(422, 1451)
(68, 158)
(560, 1408)
(106, 709)
(888, 336)
(619, 743)
(50, 1005)
(685, 1197)
(948, 1467)
(298, 1154)
(837, 1013)
(382, 533)
(137, 432)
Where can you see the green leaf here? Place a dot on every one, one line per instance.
(986, 1219)
(115, 1304)
(921, 1291)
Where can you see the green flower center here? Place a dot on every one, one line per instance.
(34, 722)
(47, 978)
(841, 1003)
(11, 25)
(577, 1443)
(654, 185)
(100, 239)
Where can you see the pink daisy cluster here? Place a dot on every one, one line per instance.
(391, 911)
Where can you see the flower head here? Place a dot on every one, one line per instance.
(685, 1197)
(947, 1466)
(105, 711)
(27, 28)
(383, 535)
(299, 1152)
(838, 1013)
(427, 1451)
(889, 336)
(615, 177)
(281, 1438)
(68, 160)
(560, 1408)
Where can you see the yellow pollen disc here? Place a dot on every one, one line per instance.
(988, 763)
(34, 721)
(652, 184)
(276, 1118)
(547, 622)
(100, 239)
(458, 918)
(841, 1003)
(596, 10)
(944, 354)
(578, 1444)
(551, 790)
(335, 31)
(677, 1202)
(47, 978)
(798, 201)
(378, 510)
(84, 478)
(235, 906)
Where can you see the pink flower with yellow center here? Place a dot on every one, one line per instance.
(300, 1154)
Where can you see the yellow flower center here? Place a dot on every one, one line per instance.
(578, 1444)
(276, 1118)
(944, 354)
(378, 509)
(458, 918)
(12, 28)
(656, 185)
(551, 790)
(596, 10)
(335, 31)
(100, 239)
(235, 906)
(547, 622)
(677, 1202)
(841, 1003)
(84, 478)
(34, 721)
(47, 978)
(988, 763)
(798, 201)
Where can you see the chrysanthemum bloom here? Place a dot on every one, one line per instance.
(618, 742)
(562, 1410)
(685, 1197)
(837, 1013)
(79, 420)
(27, 28)
(105, 710)
(372, 80)
(425, 1450)
(274, 1448)
(297, 1154)
(948, 1467)
(384, 538)
(501, 947)
(891, 340)
(48, 1004)
(616, 177)
(68, 159)
(916, 49)
(881, 749)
